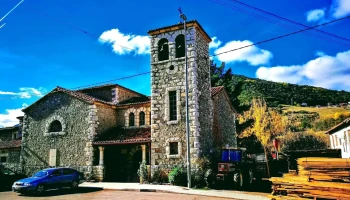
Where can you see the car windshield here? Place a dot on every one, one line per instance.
(40, 174)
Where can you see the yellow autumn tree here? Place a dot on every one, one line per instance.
(266, 124)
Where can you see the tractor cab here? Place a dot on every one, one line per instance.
(235, 165)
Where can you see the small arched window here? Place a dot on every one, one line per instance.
(131, 119)
(180, 46)
(55, 126)
(163, 50)
(142, 118)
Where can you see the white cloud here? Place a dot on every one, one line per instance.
(25, 92)
(126, 43)
(338, 9)
(315, 15)
(326, 71)
(253, 55)
(10, 116)
(214, 43)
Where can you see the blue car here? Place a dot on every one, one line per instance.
(51, 178)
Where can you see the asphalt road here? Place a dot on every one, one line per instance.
(95, 193)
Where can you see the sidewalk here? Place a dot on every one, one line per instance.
(176, 189)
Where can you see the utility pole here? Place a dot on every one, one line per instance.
(184, 18)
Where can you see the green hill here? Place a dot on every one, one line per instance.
(242, 89)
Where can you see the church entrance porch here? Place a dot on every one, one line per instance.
(119, 156)
(122, 162)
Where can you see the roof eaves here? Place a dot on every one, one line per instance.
(336, 127)
(78, 95)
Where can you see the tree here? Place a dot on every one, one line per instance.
(265, 124)
(307, 140)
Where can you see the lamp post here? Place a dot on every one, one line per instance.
(184, 18)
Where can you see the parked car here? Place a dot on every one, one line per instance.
(51, 178)
(8, 177)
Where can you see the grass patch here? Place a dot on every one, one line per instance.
(324, 112)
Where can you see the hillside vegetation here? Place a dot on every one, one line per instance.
(323, 112)
(242, 90)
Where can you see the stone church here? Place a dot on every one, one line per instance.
(107, 130)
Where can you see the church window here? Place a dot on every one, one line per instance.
(131, 119)
(55, 126)
(172, 105)
(174, 148)
(142, 118)
(180, 46)
(163, 50)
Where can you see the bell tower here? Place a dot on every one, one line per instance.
(168, 110)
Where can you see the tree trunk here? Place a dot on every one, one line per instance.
(267, 163)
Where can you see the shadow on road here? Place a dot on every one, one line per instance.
(263, 186)
(64, 191)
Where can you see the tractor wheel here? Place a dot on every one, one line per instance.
(249, 178)
(238, 179)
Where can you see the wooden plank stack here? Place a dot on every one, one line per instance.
(316, 178)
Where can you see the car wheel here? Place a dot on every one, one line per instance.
(40, 189)
(75, 184)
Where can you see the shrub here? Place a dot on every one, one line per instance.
(178, 176)
(143, 172)
(159, 176)
(197, 178)
(307, 140)
(210, 178)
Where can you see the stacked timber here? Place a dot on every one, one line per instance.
(316, 178)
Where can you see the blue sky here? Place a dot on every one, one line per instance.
(38, 53)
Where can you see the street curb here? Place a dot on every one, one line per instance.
(162, 191)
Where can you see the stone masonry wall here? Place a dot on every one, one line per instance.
(6, 135)
(123, 115)
(13, 158)
(224, 122)
(73, 144)
(204, 112)
(165, 78)
(100, 93)
(122, 94)
(107, 118)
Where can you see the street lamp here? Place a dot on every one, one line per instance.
(184, 18)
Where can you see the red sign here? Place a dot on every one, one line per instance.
(276, 143)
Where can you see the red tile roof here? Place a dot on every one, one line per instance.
(339, 126)
(10, 144)
(119, 135)
(135, 101)
(76, 94)
(216, 90)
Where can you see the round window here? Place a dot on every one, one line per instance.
(171, 67)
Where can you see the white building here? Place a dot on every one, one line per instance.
(339, 136)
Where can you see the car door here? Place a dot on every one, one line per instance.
(68, 176)
(55, 179)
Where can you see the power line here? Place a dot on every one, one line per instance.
(90, 85)
(282, 36)
(288, 20)
(117, 79)
(254, 44)
(285, 25)
(72, 26)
